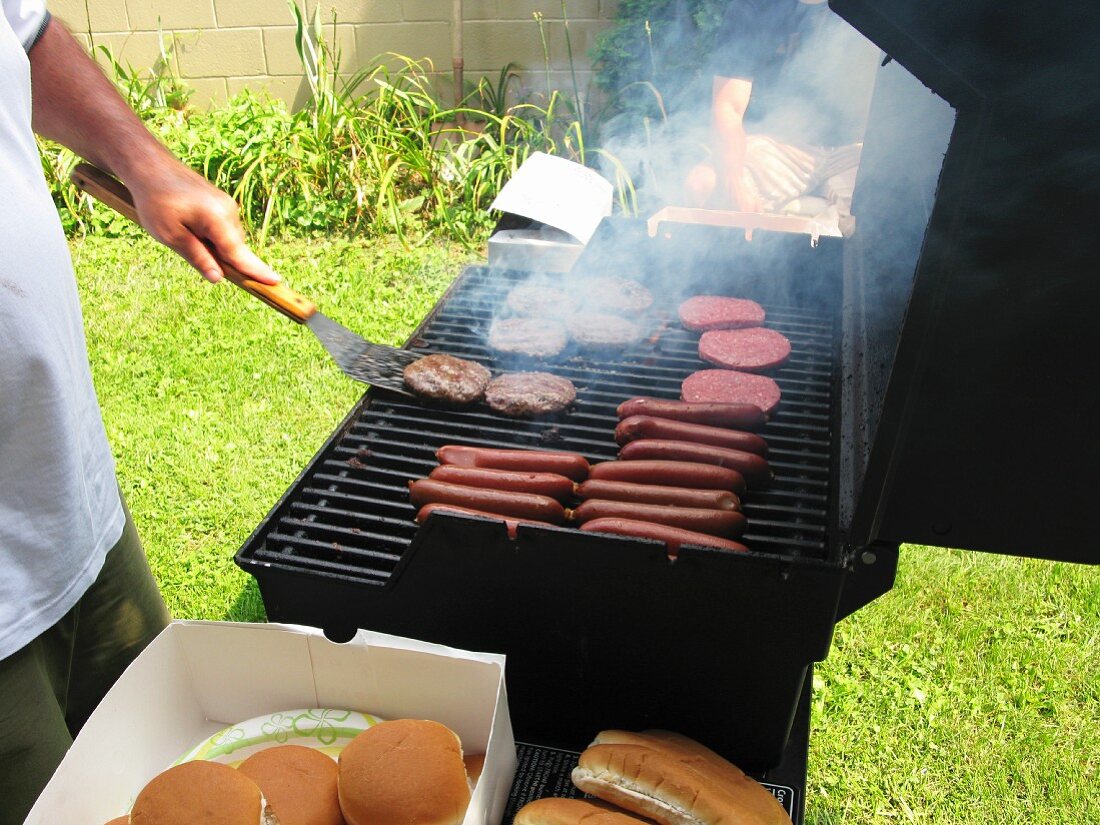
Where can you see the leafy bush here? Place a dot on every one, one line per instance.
(653, 48)
(377, 153)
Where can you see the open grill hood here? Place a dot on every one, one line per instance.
(974, 428)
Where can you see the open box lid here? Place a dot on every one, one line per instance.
(980, 435)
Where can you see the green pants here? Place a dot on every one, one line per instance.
(50, 687)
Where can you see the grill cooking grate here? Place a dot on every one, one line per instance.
(348, 514)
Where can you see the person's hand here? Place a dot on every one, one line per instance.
(188, 214)
(780, 172)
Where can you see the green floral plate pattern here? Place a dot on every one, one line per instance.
(323, 729)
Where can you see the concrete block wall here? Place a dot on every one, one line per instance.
(219, 47)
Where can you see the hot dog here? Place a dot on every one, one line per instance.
(671, 474)
(519, 505)
(754, 468)
(570, 465)
(510, 523)
(738, 416)
(543, 484)
(657, 494)
(713, 522)
(673, 537)
(648, 426)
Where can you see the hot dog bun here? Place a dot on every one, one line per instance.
(404, 772)
(555, 811)
(299, 783)
(674, 781)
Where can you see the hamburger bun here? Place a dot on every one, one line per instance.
(674, 784)
(555, 811)
(120, 820)
(404, 772)
(299, 784)
(475, 764)
(206, 792)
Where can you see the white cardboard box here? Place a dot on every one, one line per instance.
(198, 677)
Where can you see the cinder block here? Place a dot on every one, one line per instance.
(482, 9)
(139, 50)
(426, 10)
(282, 55)
(281, 87)
(242, 13)
(108, 16)
(550, 9)
(73, 13)
(362, 11)
(608, 9)
(180, 14)
(209, 91)
(223, 53)
(413, 40)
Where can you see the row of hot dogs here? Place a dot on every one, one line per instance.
(679, 478)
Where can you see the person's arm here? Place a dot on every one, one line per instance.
(77, 106)
(730, 99)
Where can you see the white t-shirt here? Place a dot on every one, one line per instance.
(59, 506)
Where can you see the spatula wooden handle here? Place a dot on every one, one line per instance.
(112, 192)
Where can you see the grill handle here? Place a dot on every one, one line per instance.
(109, 190)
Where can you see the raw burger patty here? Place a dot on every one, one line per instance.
(705, 312)
(729, 386)
(598, 330)
(446, 378)
(533, 337)
(527, 394)
(620, 295)
(538, 301)
(752, 350)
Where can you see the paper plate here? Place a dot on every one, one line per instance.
(323, 729)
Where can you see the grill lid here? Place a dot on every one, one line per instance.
(980, 436)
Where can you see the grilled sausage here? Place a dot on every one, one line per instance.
(673, 537)
(520, 505)
(657, 494)
(754, 468)
(713, 522)
(738, 416)
(510, 523)
(648, 426)
(570, 465)
(671, 474)
(543, 484)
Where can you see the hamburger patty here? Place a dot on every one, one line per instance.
(613, 294)
(731, 387)
(598, 330)
(705, 312)
(539, 301)
(529, 394)
(752, 350)
(533, 337)
(446, 378)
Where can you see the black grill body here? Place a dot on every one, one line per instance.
(600, 631)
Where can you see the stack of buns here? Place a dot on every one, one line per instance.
(660, 776)
(402, 772)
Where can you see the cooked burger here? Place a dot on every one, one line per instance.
(446, 378)
(529, 394)
(619, 295)
(597, 330)
(539, 301)
(532, 337)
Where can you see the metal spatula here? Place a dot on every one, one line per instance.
(374, 364)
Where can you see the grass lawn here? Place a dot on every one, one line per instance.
(968, 694)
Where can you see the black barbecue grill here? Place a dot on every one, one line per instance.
(937, 381)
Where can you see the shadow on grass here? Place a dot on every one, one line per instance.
(248, 606)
